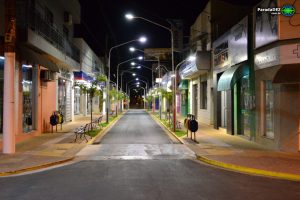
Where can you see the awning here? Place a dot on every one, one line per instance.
(37, 58)
(288, 74)
(231, 76)
(183, 85)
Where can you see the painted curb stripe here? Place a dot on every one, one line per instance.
(170, 131)
(36, 167)
(105, 128)
(285, 176)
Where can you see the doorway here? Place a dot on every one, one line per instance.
(223, 109)
(195, 100)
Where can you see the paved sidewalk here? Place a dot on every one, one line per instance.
(46, 149)
(237, 153)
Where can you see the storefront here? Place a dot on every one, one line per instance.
(195, 94)
(28, 98)
(81, 100)
(65, 95)
(184, 97)
(277, 72)
(234, 100)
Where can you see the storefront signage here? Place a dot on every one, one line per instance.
(284, 54)
(188, 69)
(220, 51)
(266, 26)
(267, 58)
(238, 42)
(231, 48)
(167, 82)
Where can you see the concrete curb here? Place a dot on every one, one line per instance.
(42, 166)
(103, 132)
(169, 130)
(248, 170)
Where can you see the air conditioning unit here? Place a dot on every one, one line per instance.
(68, 18)
(47, 75)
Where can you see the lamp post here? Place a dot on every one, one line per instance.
(191, 58)
(142, 39)
(146, 82)
(140, 58)
(131, 17)
(144, 93)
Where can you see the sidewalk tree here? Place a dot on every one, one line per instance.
(92, 89)
(168, 96)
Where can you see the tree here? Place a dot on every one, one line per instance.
(93, 90)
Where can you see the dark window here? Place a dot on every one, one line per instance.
(203, 95)
(48, 16)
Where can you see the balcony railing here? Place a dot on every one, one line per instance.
(39, 25)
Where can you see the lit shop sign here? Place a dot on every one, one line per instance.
(284, 54)
(167, 81)
(188, 69)
(231, 47)
(221, 55)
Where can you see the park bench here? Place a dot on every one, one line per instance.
(96, 123)
(82, 131)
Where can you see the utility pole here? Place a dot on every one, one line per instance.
(9, 72)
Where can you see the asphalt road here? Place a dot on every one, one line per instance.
(158, 172)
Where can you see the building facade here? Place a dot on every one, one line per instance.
(277, 77)
(43, 63)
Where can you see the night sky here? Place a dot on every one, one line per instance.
(103, 24)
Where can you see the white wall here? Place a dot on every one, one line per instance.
(87, 57)
(204, 115)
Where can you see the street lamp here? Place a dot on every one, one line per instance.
(139, 58)
(130, 17)
(142, 40)
(190, 58)
(144, 93)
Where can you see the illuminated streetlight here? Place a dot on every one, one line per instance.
(142, 40)
(132, 63)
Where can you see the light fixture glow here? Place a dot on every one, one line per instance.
(129, 16)
(133, 74)
(132, 63)
(138, 67)
(140, 57)
(191, 58)
(132, 49)
(143, 39)
(137, 79)
(27, 66)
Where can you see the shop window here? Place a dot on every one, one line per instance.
(203, 95)
(27, 98)
(268, 109)
(245, 99)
